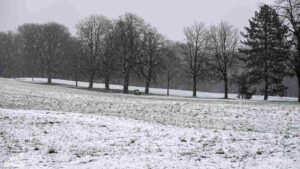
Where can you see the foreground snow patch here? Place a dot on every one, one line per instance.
(37, 130)
(50, 139)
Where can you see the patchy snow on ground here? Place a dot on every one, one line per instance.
(57, 127)
(159, 91)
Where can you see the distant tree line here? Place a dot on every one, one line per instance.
(128, 48)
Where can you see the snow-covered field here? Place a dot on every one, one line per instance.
(158, 91)
(58, 127)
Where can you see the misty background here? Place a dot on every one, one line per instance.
(168, 16)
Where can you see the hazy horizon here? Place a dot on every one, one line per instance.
(169, 16)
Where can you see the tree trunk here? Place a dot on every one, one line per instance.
(76, 79)
(298, 78)
(126, 82)
(266, 78)
(14, 72)
(266, 95)
(148, 81)
(49, 76)
(194, 85)
(49, 71)
(147, 87)
(92, 75)
(168, 84)
(297, 68)
(107, 79)
(225, 87)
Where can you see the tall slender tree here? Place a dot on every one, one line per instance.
(4, 46)
(265, 48)
(109, 58)
(151, 59)
(10, 54)
(130, 31)
(31, 34)
(172, 63)
(73, 61)
(55, 38)
(195, 51)
(224, 42)
(92, 32)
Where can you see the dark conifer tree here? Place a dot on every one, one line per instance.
(265, 48)
(289, 10)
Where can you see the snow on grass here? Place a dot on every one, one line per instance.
(43, 139)
(109, 130)
(220, 114)
(159, 91)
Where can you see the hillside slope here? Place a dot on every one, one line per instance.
(57, 127)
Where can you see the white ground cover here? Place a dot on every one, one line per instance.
(159, 91)
(57, 127)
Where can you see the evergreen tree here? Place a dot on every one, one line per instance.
(244, 83)
(265, 48)
(289, 11)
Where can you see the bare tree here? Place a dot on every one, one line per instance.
(10, 54)
(55, 38)
(108, 60)
(92, 32)
(130, 42)
(224, 40)
(31, 34)
(4, 50)
(289, 10)
(151, 58)
(73, 60)
(195, 52)
(3, 40)
(172, 63)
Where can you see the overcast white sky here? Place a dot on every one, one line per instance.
(168, 16)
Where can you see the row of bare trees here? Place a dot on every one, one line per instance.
(126, 45)
(128, 48)
(129, 45)
(210, 52)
